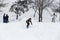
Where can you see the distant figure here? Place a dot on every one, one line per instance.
(4, 18)
(7, 18)
(53, 18)
(28, 21)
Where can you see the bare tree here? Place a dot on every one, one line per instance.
(19, 7)
(40, 5)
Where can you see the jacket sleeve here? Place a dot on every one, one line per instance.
(31, 22)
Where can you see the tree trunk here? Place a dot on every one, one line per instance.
(17, 17)
(40, 10)
(40, 14)
(17, 14)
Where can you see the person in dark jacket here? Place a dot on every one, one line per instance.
(4, 18)
(7, 18)
(28, 21)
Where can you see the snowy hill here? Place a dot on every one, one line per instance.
(37, 31)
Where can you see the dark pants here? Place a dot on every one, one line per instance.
(27, 25)
(5, 21)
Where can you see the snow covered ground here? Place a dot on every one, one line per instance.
(37, 31)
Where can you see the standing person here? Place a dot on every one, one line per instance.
(53, 18)
(4, 18)
(7, 20)
(28, 21)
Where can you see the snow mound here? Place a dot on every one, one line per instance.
(37, 31)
